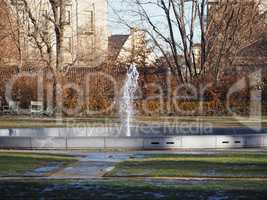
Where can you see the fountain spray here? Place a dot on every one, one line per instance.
(126, 104)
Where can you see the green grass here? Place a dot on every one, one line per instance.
(128, 189)
(17, 164)
(24, 122)
(226, 165)
(41, 122)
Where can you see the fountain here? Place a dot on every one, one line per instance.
(126, 104)
(149, 135)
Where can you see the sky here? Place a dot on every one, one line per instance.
(121, 7)
(124, 9)
(115, 6)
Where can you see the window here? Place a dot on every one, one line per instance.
(67, 44)
(17, 3)
(43, 18)
(43, 13)
(91, 21)
(88, 27)
(68, 15)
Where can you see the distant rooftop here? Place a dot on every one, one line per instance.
(115, 44)
(257, 48)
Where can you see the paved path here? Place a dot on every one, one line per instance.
(85, 169)
(93, 165)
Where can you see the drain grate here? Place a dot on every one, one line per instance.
(155, 143)
(170, 143)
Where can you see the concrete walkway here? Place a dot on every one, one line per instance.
(97, 164)
(92, 165)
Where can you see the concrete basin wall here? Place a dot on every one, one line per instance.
(138, 131)
(188, 142)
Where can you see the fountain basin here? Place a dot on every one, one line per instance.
(136, 131)
(142, 138)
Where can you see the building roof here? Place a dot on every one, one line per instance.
(115, 44)
(255, 49)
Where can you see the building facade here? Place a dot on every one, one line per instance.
(262, 3)
(89, 31)
(85, 38)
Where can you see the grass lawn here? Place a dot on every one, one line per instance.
(17, 164)
(29, 122)
(134, 190)
(223, 165)
(24, 122)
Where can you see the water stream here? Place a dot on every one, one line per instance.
(126, 104)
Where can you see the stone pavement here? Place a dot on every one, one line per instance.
(93, 165)
(97, 164)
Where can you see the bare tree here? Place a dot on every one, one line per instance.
(232, 26)
(176, 27)
(9, 44)
(58, 20)
(43, 28)
(42, 25)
